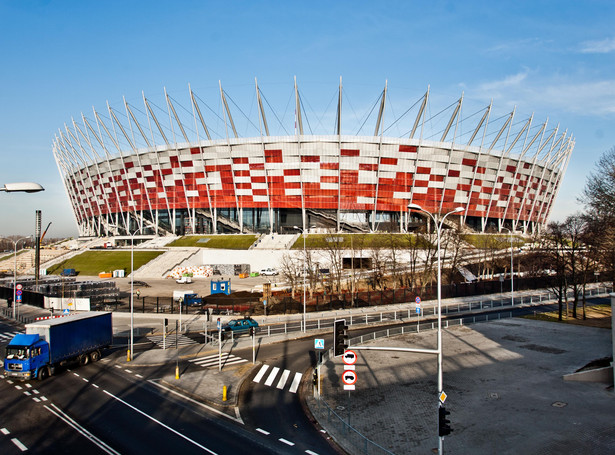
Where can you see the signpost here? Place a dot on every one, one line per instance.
(349, 377)
(319, 343)
(418, 313)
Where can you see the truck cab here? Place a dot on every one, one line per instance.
(25, 355)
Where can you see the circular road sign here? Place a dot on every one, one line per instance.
(350, 357)
(418, 299)
(349, 377)
(19, 287)
(18, 292)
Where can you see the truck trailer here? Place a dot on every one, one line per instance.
(56, 342)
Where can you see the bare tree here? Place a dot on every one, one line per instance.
(291, 269)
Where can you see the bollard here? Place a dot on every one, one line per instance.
(223, 393)
(128, 356)
(176, 371)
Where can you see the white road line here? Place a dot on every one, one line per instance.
(9, 381)
(283, 379)
(29, 386)
(295, 385)
(261, 373)
(260, 430)
(237, 419)
(76, 374)
(160, 423)
(272, 376)
(36, 392)
(209, 357)
(309, 452)
(128, 371)
(63, 416)
(138, 375)
(117, 366)
(27, 393)
(36, 399)
(5, 431)
(18, 387)
(44, 398)
(86, 380)
(18, 443)
(286, 442)
(94, 385)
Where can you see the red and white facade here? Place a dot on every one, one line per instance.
(272, 183)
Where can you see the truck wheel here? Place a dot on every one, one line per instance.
(84, 359)
(43, 374)
(95, 356)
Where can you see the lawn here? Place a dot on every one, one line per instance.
(91, 263)
(228, 242)
(494, 241)
(596, 316)
(359, 241)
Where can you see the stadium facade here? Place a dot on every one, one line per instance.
(156, 170)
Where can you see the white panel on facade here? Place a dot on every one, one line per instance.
(420, 190)
(365, 200)
(421, 177)
(243, 179)
(259, 186)
(241, 167)
(243, 191)
(292, 178)
(401, 195)
(329, 186)
(192, 193)
(258, 173)
(293, 191)
(162, 195)
(260, 198)
(367, 177)
(201, 181)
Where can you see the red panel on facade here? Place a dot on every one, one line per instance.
(453, 173)
(408, 148)
(333, 166)
(368, 167)
(468, 162)
(310, 159)
(292, 171)
(241, 160)
(423, 170)
(390, 161)
(350, 152)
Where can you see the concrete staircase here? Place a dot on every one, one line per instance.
(275, 241)
(159, 267)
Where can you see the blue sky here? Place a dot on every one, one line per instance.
(555, 59)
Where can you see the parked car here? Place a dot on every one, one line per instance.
(269, 272)
(240, 325)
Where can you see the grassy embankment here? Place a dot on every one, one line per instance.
(91, 263)
(220, 241)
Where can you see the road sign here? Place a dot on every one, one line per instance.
(18, 292)
(18, 298)
(350, 357)
(66, 311)
(319, 343)
(349, 378)
(418, 310)
(218, 324)
(417, 300)
(443, 397)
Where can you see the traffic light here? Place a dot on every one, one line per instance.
(315, 378)
(340, 337)
(166, 322)
(251, 331)
(444, 425)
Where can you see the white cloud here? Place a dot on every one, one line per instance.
(598, 47)
(529, 89)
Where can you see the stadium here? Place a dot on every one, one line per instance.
(180, 167)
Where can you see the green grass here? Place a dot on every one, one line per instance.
(359, 241)
(494, 241)
(228, 242)
(91, 263)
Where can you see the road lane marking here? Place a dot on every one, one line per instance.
(272, 376)
(283, 379)
(261, 373)
(295, 385)
(27, 393)
(68, 420)
(160, 423)
(94, 385)
(139, 376)
(260, 430)
(117, 366)
(18, 443)
(309, 452)
(75, 374)
(44, 398)
(237, 419)
(36, 392)
(286, 442)
(128, 371)
(5, 431)
(29, 386)
(36, 399)
(214, 359)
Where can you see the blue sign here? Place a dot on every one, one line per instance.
(66, 311)
(418, 310)
(18, 298)
(319, 343)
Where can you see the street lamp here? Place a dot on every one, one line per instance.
(132, 244)
(304, 273)
(25, 187)
(439, 347)
(512, 288)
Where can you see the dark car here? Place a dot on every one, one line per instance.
(240, 325)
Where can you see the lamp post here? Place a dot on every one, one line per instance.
(512, 288)
(439, 347)
(303, 231)
(132, 244)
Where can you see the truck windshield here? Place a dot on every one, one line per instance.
(17, 352)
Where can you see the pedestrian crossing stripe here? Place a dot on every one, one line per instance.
(182, 340)
(281, 381)
(214, 360)
(7, 336)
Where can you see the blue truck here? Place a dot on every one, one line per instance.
(56, 342)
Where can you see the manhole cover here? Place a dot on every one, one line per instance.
(559, 404)
(340, 408)
(494, 395)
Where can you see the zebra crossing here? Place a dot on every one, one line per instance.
(8, 336)
(214, 359)
(182, 340)
(283, 379)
